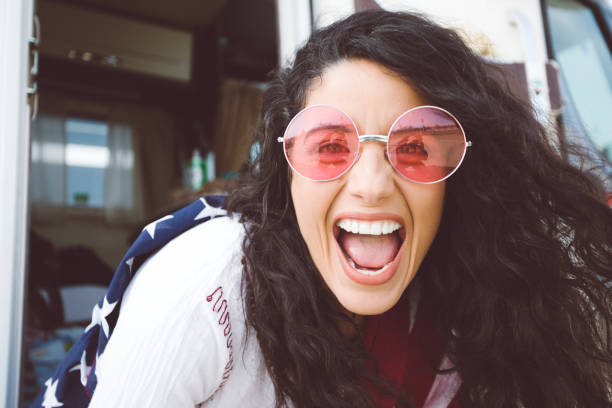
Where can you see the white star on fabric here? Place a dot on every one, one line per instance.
(151, 227)
(129, 263)
(84, 369)
(99, 315)
(50, 400)
(209, 211)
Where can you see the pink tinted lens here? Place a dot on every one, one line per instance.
(426, 144)
(321, 142)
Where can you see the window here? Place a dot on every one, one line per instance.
(586, 66)
(81, 164)
(87, 158)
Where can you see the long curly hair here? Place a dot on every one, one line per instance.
(520, 269)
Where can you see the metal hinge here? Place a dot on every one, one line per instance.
(32, 89)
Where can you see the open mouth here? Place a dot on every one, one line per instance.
(370, 247)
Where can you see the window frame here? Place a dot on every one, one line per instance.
(75, 212)
(604, 24)
(598, 9)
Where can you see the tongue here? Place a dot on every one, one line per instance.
(370, 251)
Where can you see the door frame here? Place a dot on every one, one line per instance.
(15, 32)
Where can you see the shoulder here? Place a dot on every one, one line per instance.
(193, 260)
(175, 282)
(174, 323)
(204, 243)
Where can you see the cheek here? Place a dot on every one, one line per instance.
(426, 203)
(432, 206)
(312, 202)
(305, 209)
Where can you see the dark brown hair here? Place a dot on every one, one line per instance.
(520, 268)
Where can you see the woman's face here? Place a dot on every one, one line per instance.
(370, 195)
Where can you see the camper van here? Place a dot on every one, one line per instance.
(114, 113)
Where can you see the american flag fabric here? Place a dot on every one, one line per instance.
(74, 381)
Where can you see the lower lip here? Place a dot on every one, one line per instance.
(364, 279)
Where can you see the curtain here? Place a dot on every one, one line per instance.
(236, 123)
(155, 152)
(142, 162)
(47, 171)
(119, 176)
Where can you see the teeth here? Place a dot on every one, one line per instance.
(368, 227)
(366, 271)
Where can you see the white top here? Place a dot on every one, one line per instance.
(180, 337)
(179, 340)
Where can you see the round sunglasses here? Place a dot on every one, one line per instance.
(425, 144)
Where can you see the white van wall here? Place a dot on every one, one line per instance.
(495, 19)
(15, 31)
(514, 29)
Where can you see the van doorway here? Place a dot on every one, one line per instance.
(137, 116)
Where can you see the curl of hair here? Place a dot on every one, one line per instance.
(520, 269)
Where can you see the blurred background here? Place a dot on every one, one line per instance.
(142, 107)
(139, 107)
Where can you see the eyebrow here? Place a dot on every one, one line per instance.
(409, 130)
(342, 128)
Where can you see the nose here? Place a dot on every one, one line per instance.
(371, 178)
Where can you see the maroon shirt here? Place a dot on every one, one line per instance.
(408, 356)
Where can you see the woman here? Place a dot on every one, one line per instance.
(362, 264)
(512, 270)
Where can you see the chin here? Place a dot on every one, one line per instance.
(369, 300)
(368, 307)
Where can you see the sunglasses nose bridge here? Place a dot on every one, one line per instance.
(373, 138)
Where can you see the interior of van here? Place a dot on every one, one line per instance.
(143, 106)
